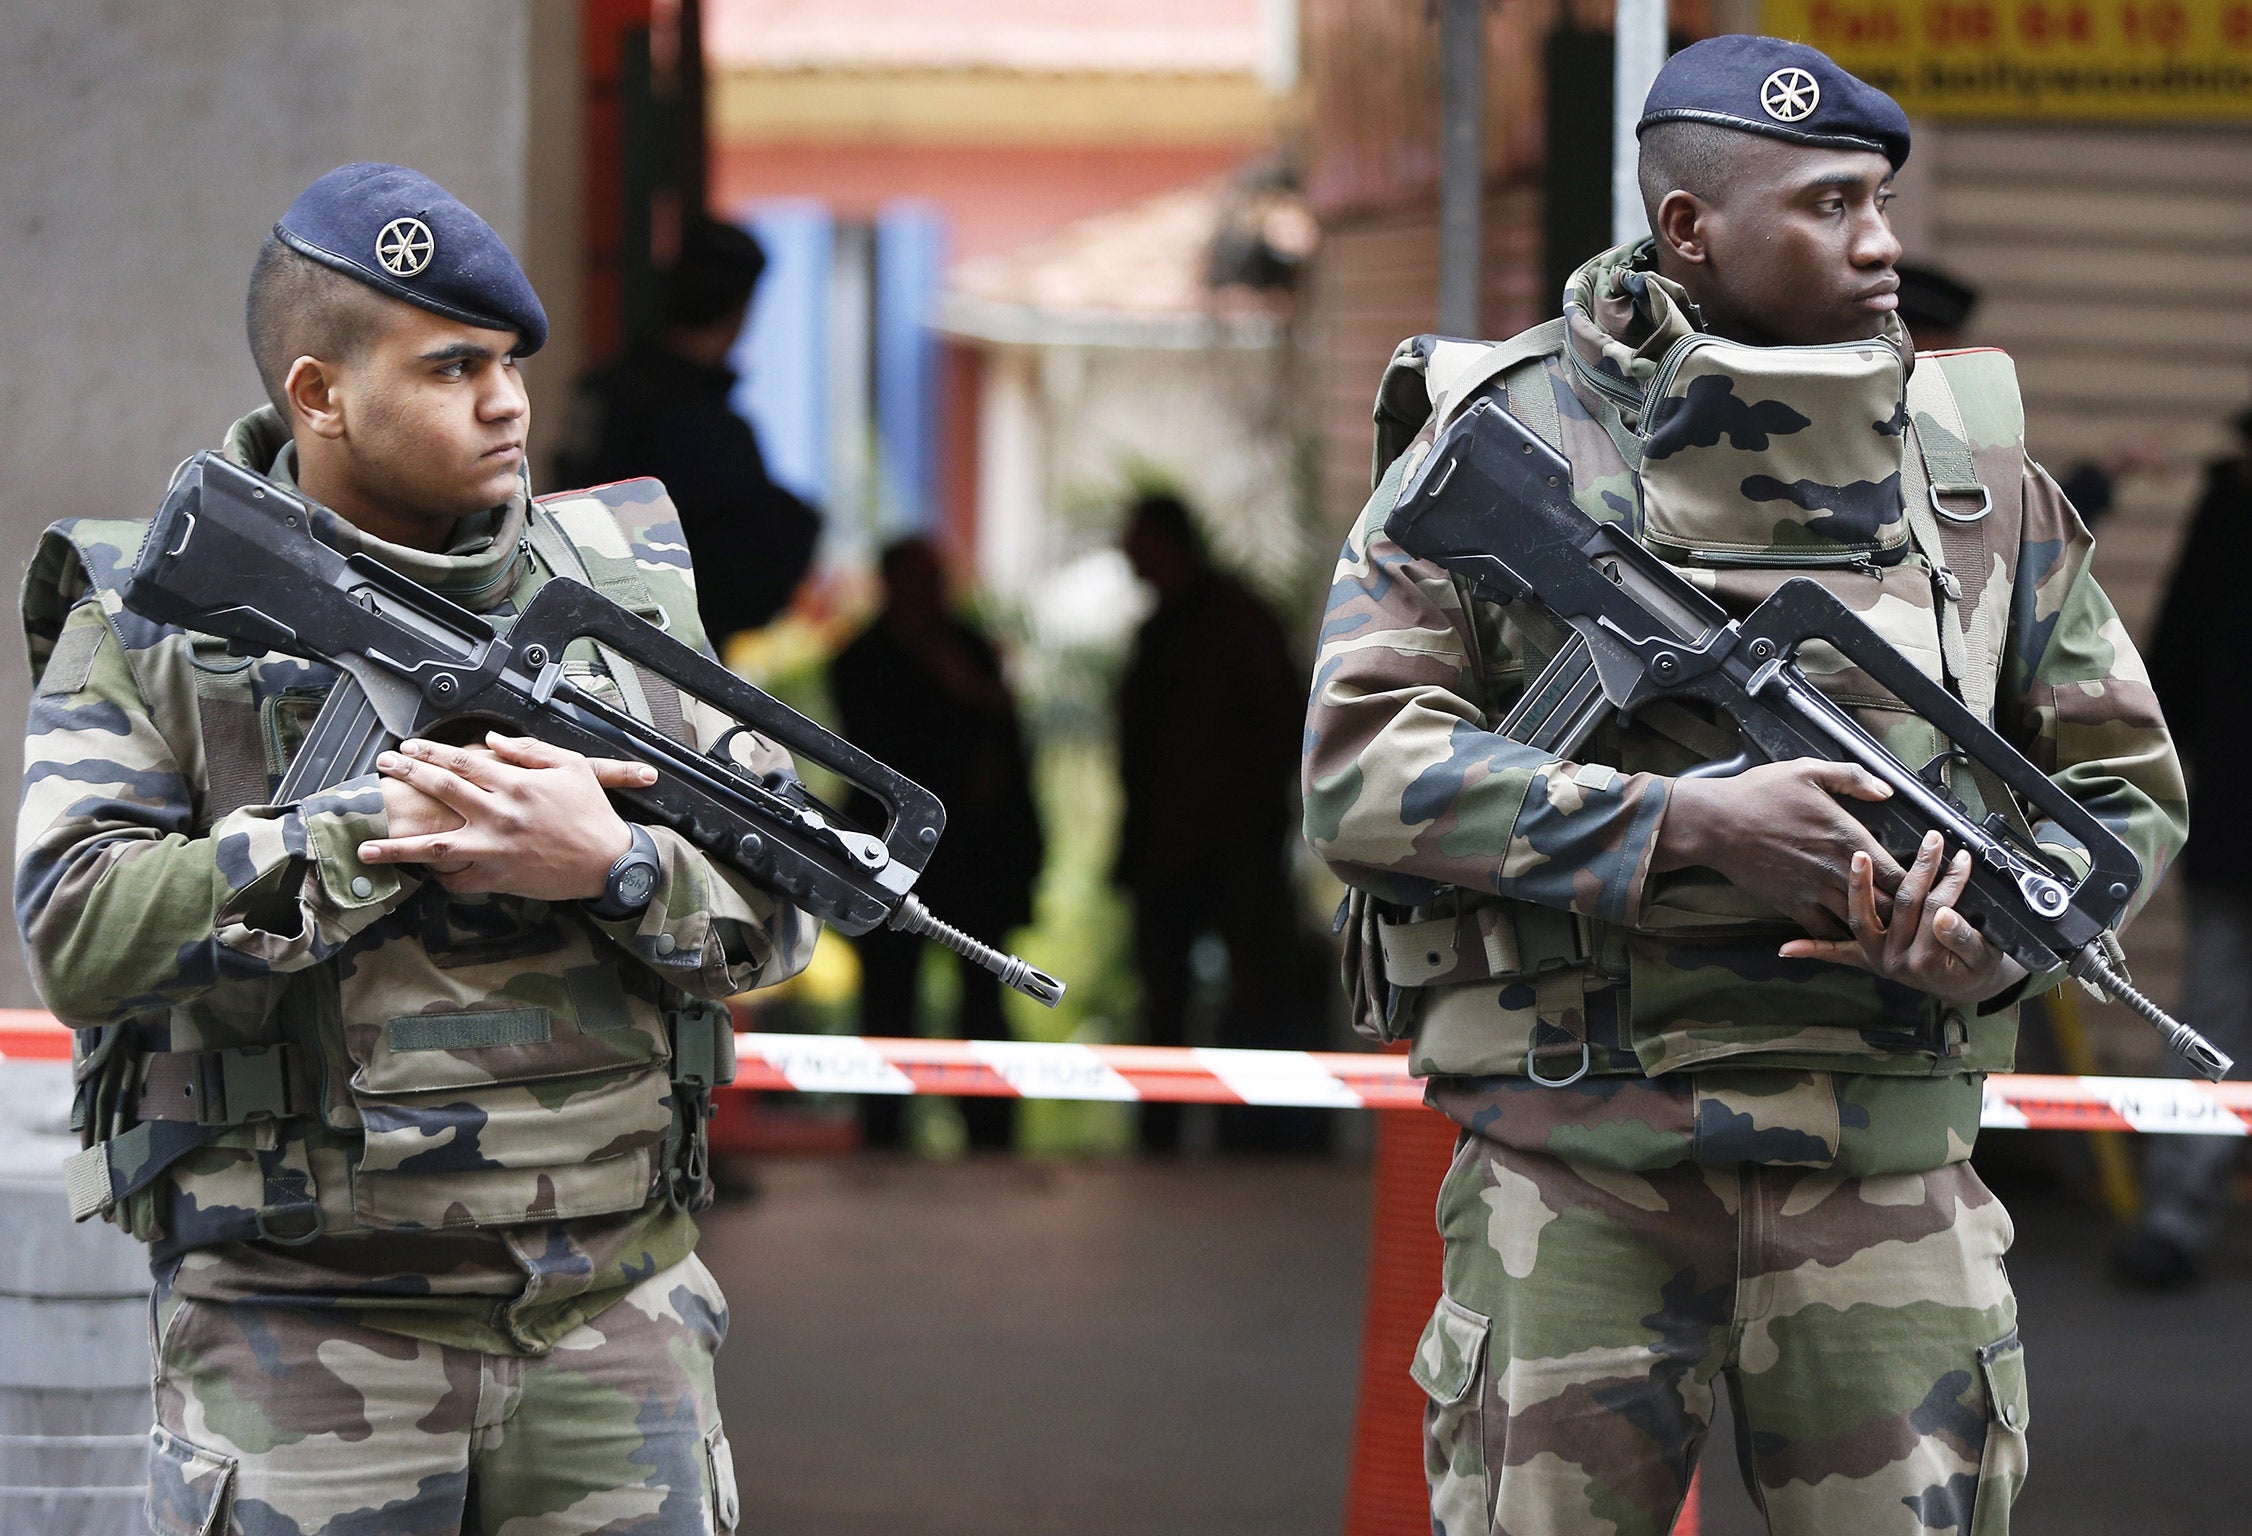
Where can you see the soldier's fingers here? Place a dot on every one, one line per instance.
(609, 772)
(1963, 942)
(433, 848)
(475, 764)
(1836, 951)
(437, 781)
(1846, 779)
(618, 773)
(1861, 909)
(1951, 886)
(530, 751)
(1914, 887)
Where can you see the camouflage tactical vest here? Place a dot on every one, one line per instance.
(1742, 467)
(482, 1060)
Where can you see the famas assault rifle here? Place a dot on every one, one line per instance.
(1493, 505)
(234, 555)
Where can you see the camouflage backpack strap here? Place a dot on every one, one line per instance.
(565, 535)
(1951, 515)
(1963, 516)
(1523, 355)
(1436, 375)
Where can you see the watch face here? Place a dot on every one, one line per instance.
(635, 885)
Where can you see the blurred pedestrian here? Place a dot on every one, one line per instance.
(1208, 730)
(921, 688)
(1937, 307)
(665, 410)
(2199, 662)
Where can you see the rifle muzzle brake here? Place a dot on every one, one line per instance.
(912, 917)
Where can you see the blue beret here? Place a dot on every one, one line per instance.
(1784, 90)
(398, 231)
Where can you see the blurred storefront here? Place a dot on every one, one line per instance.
(872, 144)
(1146, 347)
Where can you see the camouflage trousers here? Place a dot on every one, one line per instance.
(1866, 1328)
(288, 1421)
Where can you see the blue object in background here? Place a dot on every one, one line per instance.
(910, 269)
(783, 354)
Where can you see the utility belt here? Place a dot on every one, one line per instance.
(271, 1106)
(1485, 943)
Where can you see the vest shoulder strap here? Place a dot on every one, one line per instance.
(1951, 508)
(1436, 374)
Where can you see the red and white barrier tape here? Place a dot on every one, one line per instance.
(1318, 1079)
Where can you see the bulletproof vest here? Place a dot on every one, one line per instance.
(475, 1061)
(1743, 467)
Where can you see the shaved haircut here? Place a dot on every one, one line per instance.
(1684, 155)
(299, 308)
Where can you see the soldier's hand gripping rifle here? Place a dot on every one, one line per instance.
(234, 555)
(1492, 504)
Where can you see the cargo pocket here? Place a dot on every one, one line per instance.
(719, 1468)
(2001, 1470)
(496, 1116)
(1448, 1362)
(191, 1490)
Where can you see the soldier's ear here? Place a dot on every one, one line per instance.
(315, 404)
(1681, 227)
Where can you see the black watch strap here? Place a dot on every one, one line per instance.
(632, 880)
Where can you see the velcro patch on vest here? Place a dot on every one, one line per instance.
(73, 660)
(467, 1031)
(600, 998)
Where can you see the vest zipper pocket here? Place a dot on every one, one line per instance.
(1851, 559)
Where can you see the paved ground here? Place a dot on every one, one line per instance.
(1010, 1349)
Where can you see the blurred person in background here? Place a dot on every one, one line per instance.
(1208, 726)
(1937, 306)
(922, 689)
(664, 411)
(2199, 661)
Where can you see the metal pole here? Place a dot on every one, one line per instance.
(1462, 170)
(1639, 53)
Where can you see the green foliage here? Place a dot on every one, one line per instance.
(1081, 932)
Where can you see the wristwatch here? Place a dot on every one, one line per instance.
(632, 880)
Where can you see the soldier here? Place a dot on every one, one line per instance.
(401, 1082)
(1716, 1055)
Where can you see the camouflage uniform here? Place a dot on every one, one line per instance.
(1761, 1172)
(349, 1110)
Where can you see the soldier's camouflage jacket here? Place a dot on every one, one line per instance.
(1516, 923)
(466, 1117)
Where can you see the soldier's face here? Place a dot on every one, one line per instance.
(434, 415)
(1799, 250)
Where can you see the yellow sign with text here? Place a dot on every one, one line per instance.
(2086, 59)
